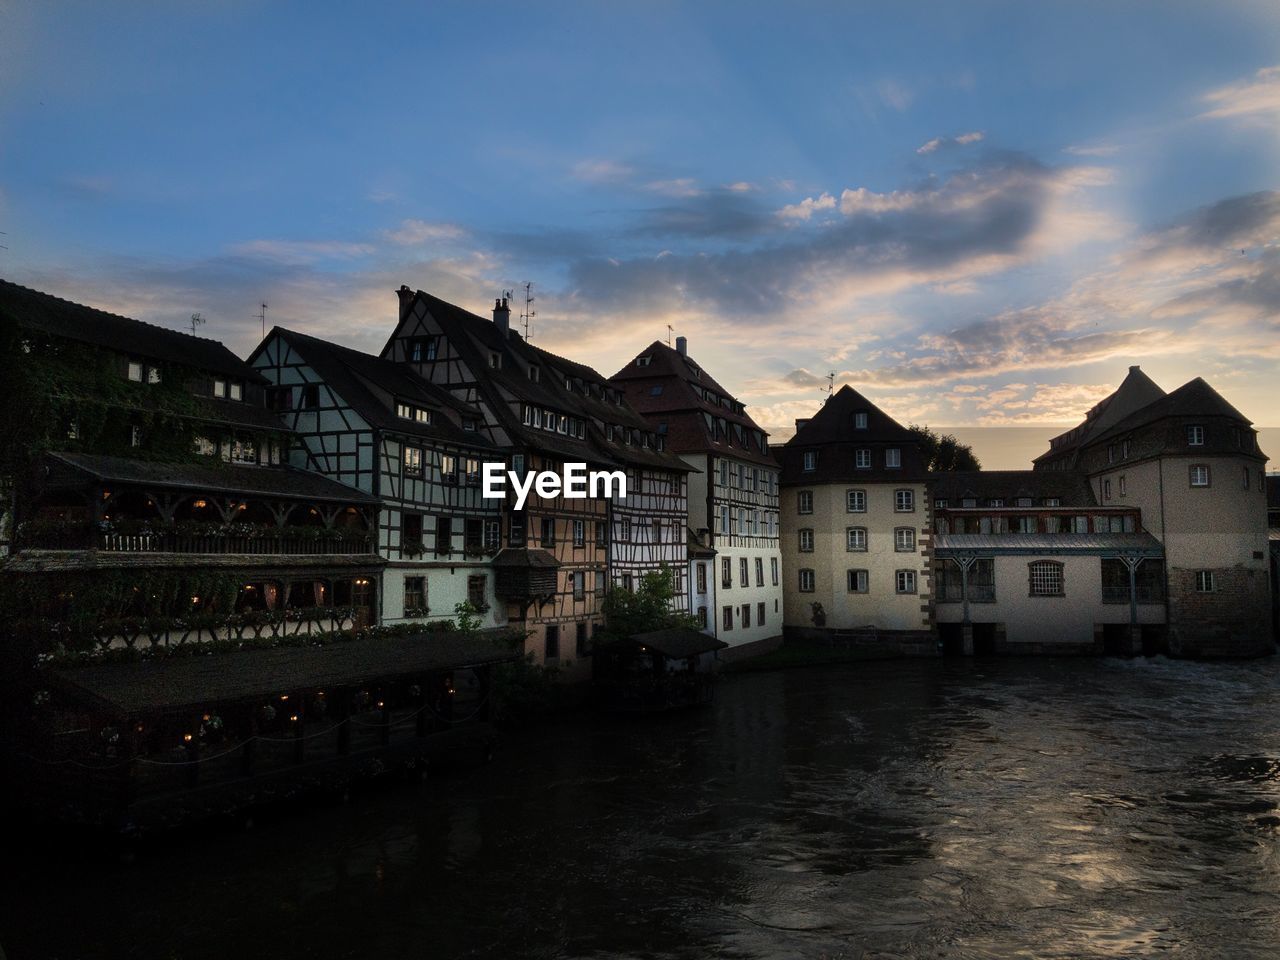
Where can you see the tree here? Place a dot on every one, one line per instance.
(944, 452)
(648, 607)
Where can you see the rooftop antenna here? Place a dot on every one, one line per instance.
(2, 246)
(831, 384)
(526, 318)
(670, 330)
(262, 316)
(196, 320)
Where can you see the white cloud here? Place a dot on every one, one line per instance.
(301, 251)
(415, 232)
(963, 140)
(680, 187)
(807, 207)
(1247, 98)
(602, 171)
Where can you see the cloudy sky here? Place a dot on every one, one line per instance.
(978, 214)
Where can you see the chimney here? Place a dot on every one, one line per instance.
(502, 316)
(406, 300)
(682, 346)
(1134, 369)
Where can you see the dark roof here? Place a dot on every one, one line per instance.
(1193, 399)
(695, 546)
(525, 557)
(831, 433)
(1047, 544)
(682, 405)
(62, 318)
(237, 413)
(676, 643)
(288, 482)
(195, 682)
(1069, 486)
(372, 385)
(1135, 392)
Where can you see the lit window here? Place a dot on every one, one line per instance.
(413, 461)
(236, 390)
(153, 374)
(219, 388)
(135, 372)
(404, 411)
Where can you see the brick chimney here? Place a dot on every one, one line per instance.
(406, 300)
(682, 346)
(502, 316)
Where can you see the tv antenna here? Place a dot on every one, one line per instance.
(526, 318)
(262, 317)
(831, 384)
(196, 320)
(670, 331)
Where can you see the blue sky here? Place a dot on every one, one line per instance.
(976, 213)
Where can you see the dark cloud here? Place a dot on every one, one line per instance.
(718, 213)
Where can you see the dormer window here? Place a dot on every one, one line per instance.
(968, 502)
(1053, 501)
(860, 420)
(535, 373)
(235, 390)
(643, 361)
(469, 425)
(1023, 502)
(153, 374)
(1195, 436)
(995, 502)
(893, 458)
(862, 459)
(135, 371)
(220, 389)
(809, 461)
(495, 361)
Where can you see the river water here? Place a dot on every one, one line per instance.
(989, 808)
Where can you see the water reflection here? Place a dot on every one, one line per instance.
(948, 809)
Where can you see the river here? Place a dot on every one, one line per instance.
(950, 808)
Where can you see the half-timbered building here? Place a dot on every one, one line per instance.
(380, 428)
(733, 489)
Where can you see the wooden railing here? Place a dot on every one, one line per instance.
(262, 541)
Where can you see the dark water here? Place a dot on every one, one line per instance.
(1098, 808)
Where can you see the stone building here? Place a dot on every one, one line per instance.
(857, 528)
(733, 491)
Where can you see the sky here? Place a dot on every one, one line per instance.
(977, 214)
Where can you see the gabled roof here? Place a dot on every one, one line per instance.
(671, 388)
(832, 433)
(833, 423)
(1136, 391)
(1193, 399)
(74, 321)
(1068, 486)
(364, 381)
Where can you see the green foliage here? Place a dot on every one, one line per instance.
(649, 607)
(944, 452)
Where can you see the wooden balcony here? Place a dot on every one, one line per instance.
(238, 539)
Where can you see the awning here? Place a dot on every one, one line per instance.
(1047, 544)
(677, 643)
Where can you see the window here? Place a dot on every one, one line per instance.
(773, 568)
(760, 614)
(1246, 478)
(411, 533)
(423, 348)
(552, 651)
(995, 502)
(726, 618)
(517, 530)
(746, 616)
(806, 581)
(444, 536)
(624, 530)
(1149, 579)
(904, 539)
(135, 372)
(492, 534)
(857, 581)
(602, 534)
(517, 464)
(535, 373)
(655, 390)
(701, 577)
(862, 459)
(412, 459)
(804, 501)
(1022, 502)
(940, 503)
(477, 585)
(579, 581)
(760, 572)
(981, 582)
(855, 539)
(548, 538)
(1199, 475)
(235, 389)
(627, 582)
(202, 445)
(855, 501)
(860, 420)
(579, 533)
(495, 363)
(904, 501)
(809, 461)
(473, 534)
(744, 577)
(1052, 501)
(310, 396)
(806, 540)
(655, 531)
(1045, 578)
(893, 458)
(1195, 436)
(1204, 581)
(1124, 449)
(135, 436)
(726, 572)
(404, 411)
(581, 640)
(1124, 485)
(415, 596)
(905, 581)
(1106, 489)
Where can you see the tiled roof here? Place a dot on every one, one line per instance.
(195, 682)
(1070, 487)
(57, 317)
(287, 482)
(372, 385)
